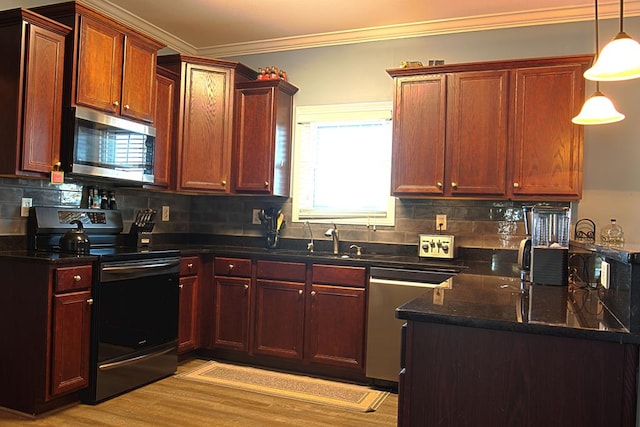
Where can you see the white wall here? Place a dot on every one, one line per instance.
(356, 73)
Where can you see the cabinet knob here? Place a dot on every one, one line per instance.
(266, 184)
(246, 287)
(116, 103)
(180, 286)
(77, 278)
(223, 182)
(516, 185)
(125, 106)
(90, 301)
(439, 184)
(299, 291)
(313, 293)
(454, 185)
(190, 266)
(231, 267)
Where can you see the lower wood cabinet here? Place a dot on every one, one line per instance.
(232, 289)
(336, 317)
(188, 330)
(308, 316)
(456, 375)
(45, 323)
(279, 309)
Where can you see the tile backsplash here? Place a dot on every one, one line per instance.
(475, 223)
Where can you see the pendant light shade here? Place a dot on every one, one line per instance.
(619, 59)
(598, 110)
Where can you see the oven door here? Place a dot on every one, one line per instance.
(135, 325)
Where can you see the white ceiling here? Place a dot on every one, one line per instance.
(220, 28)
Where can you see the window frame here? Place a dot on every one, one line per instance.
(333, 113)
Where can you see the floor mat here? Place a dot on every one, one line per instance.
(308, 389)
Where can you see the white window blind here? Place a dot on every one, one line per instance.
(343, 164)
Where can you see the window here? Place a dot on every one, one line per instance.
(342, 164)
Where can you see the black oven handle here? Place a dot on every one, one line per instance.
(119, 271)
(125, 269)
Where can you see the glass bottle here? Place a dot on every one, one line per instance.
(612, 234)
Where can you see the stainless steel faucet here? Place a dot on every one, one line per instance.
(333, 232)
(310, 244)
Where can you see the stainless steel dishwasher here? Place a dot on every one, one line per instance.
(389, 288)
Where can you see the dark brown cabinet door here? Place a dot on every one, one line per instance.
(279, 319)
(43, 100)
(477, 107)
(231, 313)
(32, 92)
(547, 146)
(418, 135)
(70, 345)
(204, 158)
(138, 80)
(264, 110)
(164, 122)
(100, 56)
(335, 333)
(187, 314)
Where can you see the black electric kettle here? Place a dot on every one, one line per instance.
(75, 240)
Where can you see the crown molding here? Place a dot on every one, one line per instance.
(560, 15)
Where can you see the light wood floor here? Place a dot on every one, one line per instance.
(176, 402)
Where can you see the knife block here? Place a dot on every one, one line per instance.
(141, 237)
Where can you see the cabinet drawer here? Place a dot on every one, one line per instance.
(339, 275)
(189, 266)
(73, 278)
(290, 271)
(232, 267)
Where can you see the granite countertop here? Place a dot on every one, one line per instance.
(504, 303)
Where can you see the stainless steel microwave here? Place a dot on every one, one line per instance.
(106, 146)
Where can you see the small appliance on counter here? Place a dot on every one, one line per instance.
(141, 228)
(436, 246)
(550, 245)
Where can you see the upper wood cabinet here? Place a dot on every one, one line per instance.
(264, 111)
(115, 66)
(165, 123)
(31, 82)
(419, 115)
(546, 148)
(476, 141)
(491, 130)
(205, 124)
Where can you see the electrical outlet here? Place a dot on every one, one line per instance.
(604, 274)
(165, 213)
(441, 222)
(256, 217)
(25, 204)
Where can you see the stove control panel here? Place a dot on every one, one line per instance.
(436, 246)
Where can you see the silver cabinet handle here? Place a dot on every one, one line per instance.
(246, 286)
(90, 301)
(77, 278)
(299, 291)
(313, 293)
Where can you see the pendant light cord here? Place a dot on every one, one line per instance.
(621, 14)
(597, 42)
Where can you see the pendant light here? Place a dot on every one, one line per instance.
(598, 109)
(619, 59)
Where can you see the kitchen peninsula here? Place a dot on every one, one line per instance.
(493, 351)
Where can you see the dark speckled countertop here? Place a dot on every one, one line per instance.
(499, 302)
